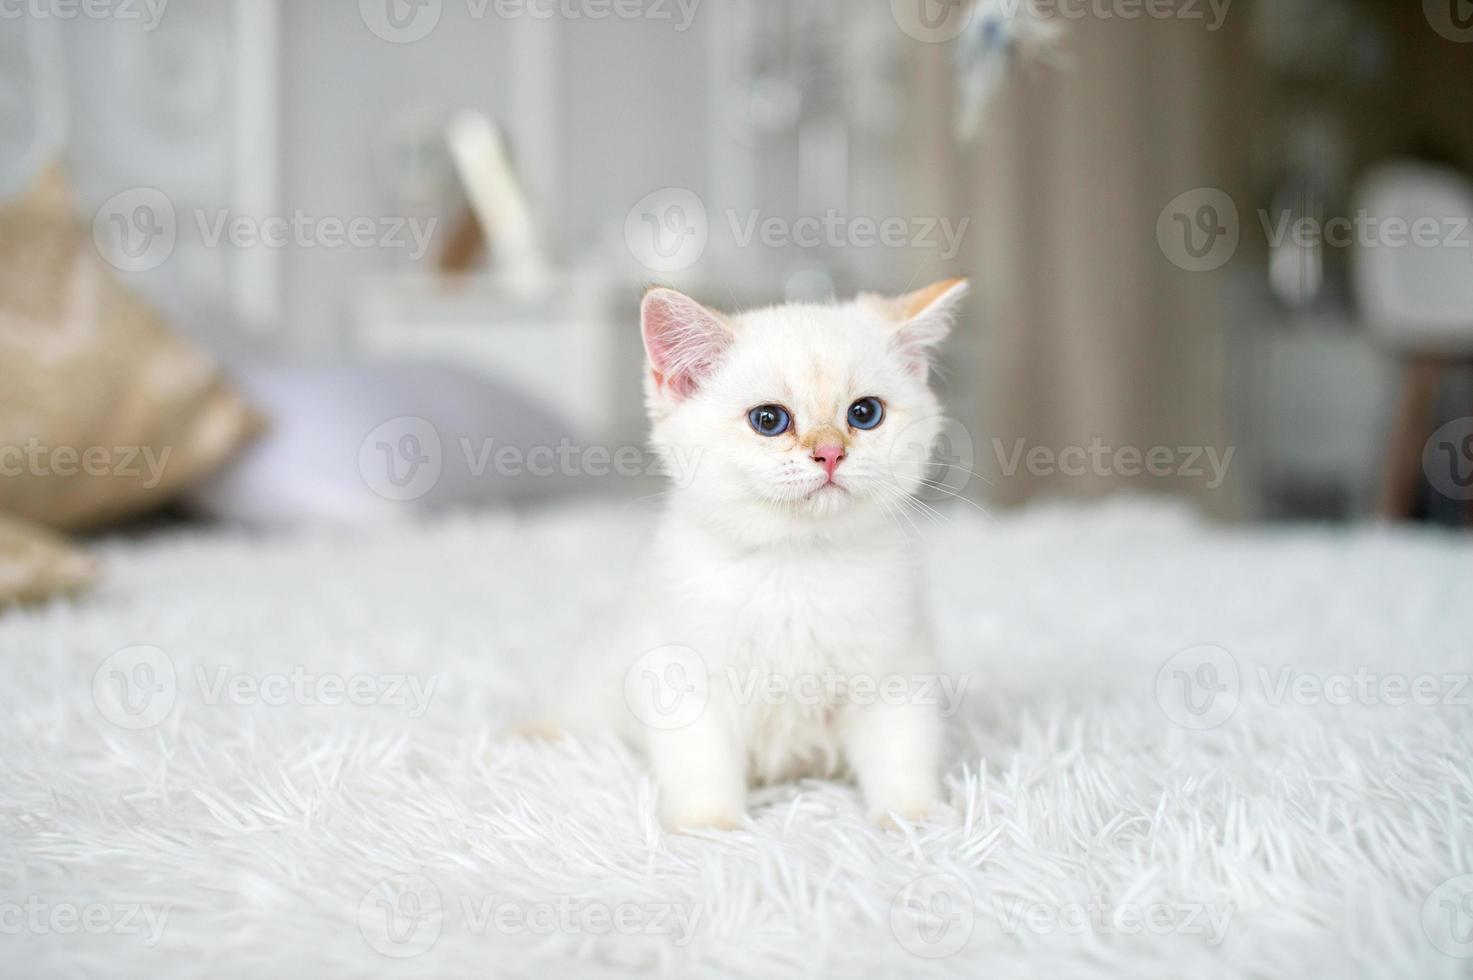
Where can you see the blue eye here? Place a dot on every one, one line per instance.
(769, 420)
(866, 413)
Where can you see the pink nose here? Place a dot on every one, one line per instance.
(829, 456)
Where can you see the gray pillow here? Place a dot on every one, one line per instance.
(356, 444)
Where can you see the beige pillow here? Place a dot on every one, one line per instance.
(103, 411)
(36, 564)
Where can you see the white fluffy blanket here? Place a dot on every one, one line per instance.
(266, 758)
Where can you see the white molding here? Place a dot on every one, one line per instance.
(535, 114)
(256, 273)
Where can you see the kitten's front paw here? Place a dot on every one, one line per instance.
(913, 812)
(538, 730)
(680, 820)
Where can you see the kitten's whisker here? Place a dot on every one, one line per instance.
(892, 507)
(903, 500)
(949, 492)
(958, 466)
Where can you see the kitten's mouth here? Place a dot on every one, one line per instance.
(830, 485)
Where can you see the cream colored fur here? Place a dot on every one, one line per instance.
(777, 627)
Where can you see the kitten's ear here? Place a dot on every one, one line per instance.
(925, 316)
(683, 339)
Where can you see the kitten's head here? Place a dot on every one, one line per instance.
(802, 411)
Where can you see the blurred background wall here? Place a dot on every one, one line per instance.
(1096, 324)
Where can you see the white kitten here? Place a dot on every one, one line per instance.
(776, 628)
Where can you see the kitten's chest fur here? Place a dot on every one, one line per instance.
(783, 630)
(789, 608)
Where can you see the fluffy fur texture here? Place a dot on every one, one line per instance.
(261, 831)
(776, 628)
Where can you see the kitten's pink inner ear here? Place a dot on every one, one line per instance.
(924, 318)
(683, 339)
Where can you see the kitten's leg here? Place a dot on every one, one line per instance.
(702, 774)
(895, 752)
